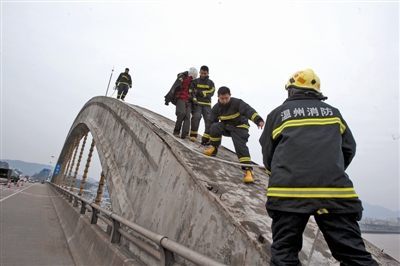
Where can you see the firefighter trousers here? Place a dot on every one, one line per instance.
(200, 111)
(239, 136)
(182, 112)
(341, 232)
(122, 91)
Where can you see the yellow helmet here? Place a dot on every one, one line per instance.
(304, 79)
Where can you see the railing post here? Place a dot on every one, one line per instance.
(75, 202)
(115, 236)
(71, 197)
(94, 215)
(83, 207)
(109, 230)
(167, 257)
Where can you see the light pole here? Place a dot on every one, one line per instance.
(50, 162)
(51, 171)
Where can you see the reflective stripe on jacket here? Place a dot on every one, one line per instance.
(124, 78)
(307, 146)
(235, 113)
(205, 90)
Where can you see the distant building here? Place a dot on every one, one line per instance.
(43, 174)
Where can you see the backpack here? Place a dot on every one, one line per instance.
(170, 96)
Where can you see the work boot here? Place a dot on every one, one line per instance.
(248, 178)
(211, 151)
(193, 139)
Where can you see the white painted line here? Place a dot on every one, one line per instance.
(16, 193)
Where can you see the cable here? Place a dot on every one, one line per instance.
(115, 89)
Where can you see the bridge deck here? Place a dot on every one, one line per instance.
(30, 231)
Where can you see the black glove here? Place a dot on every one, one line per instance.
(166, 99)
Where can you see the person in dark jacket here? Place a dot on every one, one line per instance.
(182, 96)
(229, 117)
(123, 83)
(307, 146)
(204, 89)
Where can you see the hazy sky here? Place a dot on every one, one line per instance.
(57, 55)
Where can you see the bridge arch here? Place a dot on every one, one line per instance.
(156, 182)
(168, 186)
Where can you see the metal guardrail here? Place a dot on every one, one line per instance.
(363, 231)
(167, 249)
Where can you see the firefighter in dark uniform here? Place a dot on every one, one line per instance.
(182, 96)
(307, 146)
(229, 117)
(205, 89)
(123, 83)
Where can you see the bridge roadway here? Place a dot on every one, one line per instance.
(30, 231)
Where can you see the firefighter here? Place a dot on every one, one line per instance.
(123, 83)
(229, 117)
(307, 146)
(204, 89)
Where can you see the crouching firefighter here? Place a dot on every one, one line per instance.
(229, 117)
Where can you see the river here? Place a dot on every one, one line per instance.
(390, 243)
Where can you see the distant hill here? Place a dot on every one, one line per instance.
(25, 167)
(378, 212)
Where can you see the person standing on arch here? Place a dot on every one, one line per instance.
(182, 96)
(307, 146)
(123, 83)
(230, 117)
(204, 90)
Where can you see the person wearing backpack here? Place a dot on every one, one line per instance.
(182, 95)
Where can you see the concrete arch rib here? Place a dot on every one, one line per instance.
(94, 117)
(168, 186)
(160, 184)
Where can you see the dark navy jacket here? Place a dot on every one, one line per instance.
(235, 113)
(170, 96)
(205, 89)
(306, 147)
